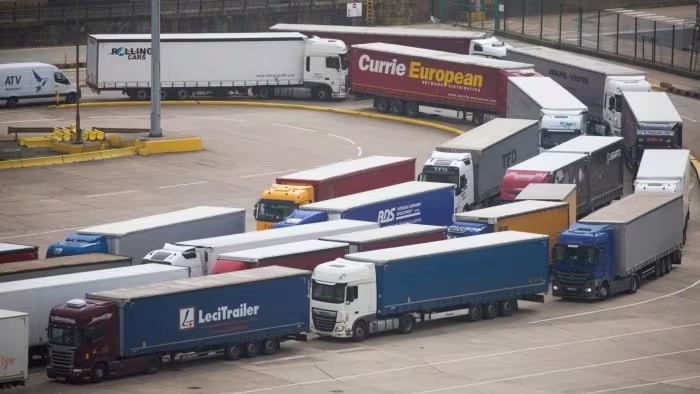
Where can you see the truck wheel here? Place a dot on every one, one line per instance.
(182, 94)
(412, 109)
(406, 323)
(604, 291)
(490, 310)
(163, 95)
(142, 94)
(322, 94)
(264, 93)
(382, 105)
(270, 346)
(232, 351)
(359, 331)
(11, 102)
(398, 107)
(476, 313)
(634, 286)
(154, 365)
(71, 98)
(99, 372)
(252, 349)
(507, 307)
(658, 270)
(667, 264)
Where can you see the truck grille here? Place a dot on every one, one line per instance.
(324, 320)
(572, 278)
(61, 359)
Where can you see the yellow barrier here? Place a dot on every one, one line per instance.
(81, 157)
(116, 153)
(35, 142)
(42, 161)
(180, 145)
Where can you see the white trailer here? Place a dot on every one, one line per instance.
(200, 255)
(219, 65)
(37, 296)
(14, 364)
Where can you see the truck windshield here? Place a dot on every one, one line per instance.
(334, 294)
(575, 255)
(66, 336)
(274, 210)
(440, 178)
(344, 61)
(551, 138)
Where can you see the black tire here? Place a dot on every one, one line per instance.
(507, 307)
(412, 109)
(667, 264)
(142, 94)
(322, 94)
(265, 93)
(99, 373)
(658, 270)
(11, 102)
(476, 313)
(163, 95)
(359, 331)
(252, 349)
(71, 98)
(490, 310)
(406, 323)
(382, 105)
(398, 107)
(634, 286)
(182, 94)
(232, 351)
(604, 292)
(154, 365)
(269, 346)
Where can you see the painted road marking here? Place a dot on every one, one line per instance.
(30, 120)
(111, 194)
(119, 116)
(211, 118)
(470, 358)
(617, 307)
(556, 371)
(267, 173)
(182, 184)
(643, 385)
(294, 127)
(359, 149)
(42, 233)
(686, 118)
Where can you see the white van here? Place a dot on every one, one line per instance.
(34, 82)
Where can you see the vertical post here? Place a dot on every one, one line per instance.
(497, 14)
(580, 26)
(78, 129)
(673, 42)
(597, 34)
(653, 45)
(561, 13)
(617, 35)
(635, 36)
(522, 19)
(14, 12)
(541, 17)
(692, 50)
(155, 69)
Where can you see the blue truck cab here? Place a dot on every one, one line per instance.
(466, 229)
(300, 216)
(77, 244)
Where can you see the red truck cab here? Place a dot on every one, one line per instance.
(514, 181)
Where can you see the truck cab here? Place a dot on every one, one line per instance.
(612, 105)
(454, 168)
(488, 47)
(78, 244)
(467, 229)
(584, 258)
(342, 292)
(557, 127)
(299, 217)
(279, 202)
(326, 69)
(193, 258)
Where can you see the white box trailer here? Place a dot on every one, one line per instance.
(200, 255)
(14, 365)
(218, 64)
(38, 295)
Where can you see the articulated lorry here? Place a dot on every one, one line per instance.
(598, 84)
(402, 78)
(560, 114)
(649, 121)
(14, 365)
(136, 237)
(10, 252)
(667, 171)
(477, 43)
(37, 296)
(305, 255)
(564, 192)
(334, 180)
(476, 161)
(532, 216)
(614, 248)
(429, 203)
(389, 237)
(200, 256)
(61, 266)
(200, 64)
(383, 290)
(234, 314)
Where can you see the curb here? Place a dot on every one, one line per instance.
(668, 87)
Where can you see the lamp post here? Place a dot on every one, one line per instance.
(155, 70)
(78, 36)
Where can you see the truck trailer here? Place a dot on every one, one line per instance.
(598, 84)
(330, 181)
(560, 114)
(611, 250)
(532, 216)
(388, 289)
(305, 255)
(605, 172)
(472, 42)
(14, 364)
(200, 255)
(10, 252)
(37, 296)
(219, 65)
(409, 202)
(234, 314)
(401, 78)
(667, 171)
(136, 237)
(476, 161)
(61, 266)
(565, 192)
(649, 121)
(390, 237)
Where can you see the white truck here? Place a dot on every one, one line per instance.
(561, 115)
(14, 342)
(598, 84)
(219, 65)
(476, 161)
(34, 82)
(200, 255)
(38, 295)
(667, 171)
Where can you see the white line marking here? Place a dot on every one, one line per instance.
(359, 151)
(30, 120)
(111, 194)
(182, 184)
(42, 233)
(267, 173)
(692, 120)
(119, 116)
(470, 358)
(617, 307)
(210, 118)
(643, 385)
(342, 138)
(278, 360)
(294, 127)
(555, 371)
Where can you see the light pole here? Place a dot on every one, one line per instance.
(78, 36)
(155, 70)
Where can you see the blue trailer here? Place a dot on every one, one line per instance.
(236, 314)
(480, 277)
(409, 202)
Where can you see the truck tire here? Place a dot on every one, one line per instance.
(71, 98)
(476, 313)
(634, 285)
(11, 102)
(359, 331)
(264, 93)
(398, 107)
(507, 307)
(252, 349)
(99, 372)
(412, 109)
(232, 351)
(182, 94)
(163, 95)
(406, 323)
(142, 94)
(153, 366)
(667, 264)
(381, 104)
(490, 310)
(322, 94)
(604, 292)
(270, 346)
(658, 270)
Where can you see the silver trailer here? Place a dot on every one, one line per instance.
(60, 266)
